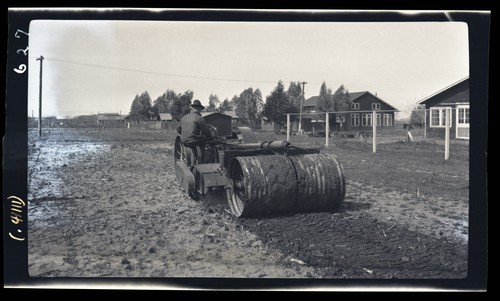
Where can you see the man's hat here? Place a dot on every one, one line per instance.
(197, 103)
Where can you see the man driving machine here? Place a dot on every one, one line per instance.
(194, 133)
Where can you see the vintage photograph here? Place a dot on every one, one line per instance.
(248, 150)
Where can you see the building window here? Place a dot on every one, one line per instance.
(438, 117)
(387, 120)
(463, 122)
(463, 115)
(375, 106)
(355, 106)
(434, 117)
(355, 119)
(366, 119)
(379, 120)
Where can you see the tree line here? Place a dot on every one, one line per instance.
(249, 105)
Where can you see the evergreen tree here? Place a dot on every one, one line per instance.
(295, 95)
(248, 106)
(213, 103)
(181, 105)
(277, 104)
(325, 101)
(342, 99)
(225, 105)
(163, 103)
(142, 105)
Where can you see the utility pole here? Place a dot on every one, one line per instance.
(301, 103)
(40, 98)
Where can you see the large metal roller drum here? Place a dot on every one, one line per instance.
(320, 181)
(261, 185)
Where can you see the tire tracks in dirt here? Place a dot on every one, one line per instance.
(340, 247)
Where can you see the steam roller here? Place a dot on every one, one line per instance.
(259, 178)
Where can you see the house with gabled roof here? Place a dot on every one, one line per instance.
(134, 120)
(454, 99)
(358, 118)
(166, 121)
(111, 120)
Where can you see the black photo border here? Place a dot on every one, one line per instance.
(15, 148)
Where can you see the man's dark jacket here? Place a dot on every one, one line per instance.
(193, 129)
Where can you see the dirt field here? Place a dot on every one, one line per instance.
(106, 203)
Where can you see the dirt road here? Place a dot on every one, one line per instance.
(105, 202)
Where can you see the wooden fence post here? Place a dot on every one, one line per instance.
(425, 123)
(287, 127)
(374, 128)
(327, 129)
(447, 134)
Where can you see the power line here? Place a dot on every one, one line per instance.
(157, 73)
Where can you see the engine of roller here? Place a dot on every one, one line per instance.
(260, 178)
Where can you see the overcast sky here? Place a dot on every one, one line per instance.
(99, 66)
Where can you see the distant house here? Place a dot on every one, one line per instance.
(134, 120)
(366, 103)
(111, 120)
(359, 117)
(311, 122)
(48, 121)
(85, 121)
(455, 97)
(234, 117)
(267, 125)
(167, 121)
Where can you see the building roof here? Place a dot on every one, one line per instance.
(228, 113)
(87, 116)
(313, 101)
(355, 95)
(134, 116)
(165, 116)
(110, 116)
(463, 81)
(232, 114)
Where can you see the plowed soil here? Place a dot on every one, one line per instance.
(105, 203)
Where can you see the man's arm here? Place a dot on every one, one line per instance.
(204, 128)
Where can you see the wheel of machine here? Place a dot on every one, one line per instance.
(271, 184)
(179, 150)
(235, 196)
(320, 181)
(261, 185)
(182, 153)
(182, 162)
